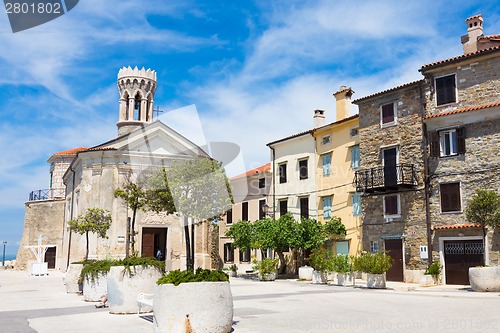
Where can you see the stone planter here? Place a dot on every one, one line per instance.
(305, 273)
(71, 278)
(232, 274)
(193, 307)
(319, 277)
(484, 278)
(375, 281)
(343, 279)
(428, 281)
(123, 288)
(94, 290)
(267, 277)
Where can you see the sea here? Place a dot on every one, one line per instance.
(7, 257)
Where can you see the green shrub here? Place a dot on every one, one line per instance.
(434, 269)
(133, 261)
(377, 263)
(233, 268)
(92, 268)
(321, 260)
(202, 275)
(341, 264)
(266, 266)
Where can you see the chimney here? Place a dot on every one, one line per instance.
(319, 118)
(474, 31)
(343, 102)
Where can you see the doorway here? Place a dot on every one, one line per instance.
(50, 257)
(389, 162)
(459, 255)
(152, 240)
(395, 248)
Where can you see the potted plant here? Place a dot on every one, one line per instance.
(233, 270)
(375, 265)
(343, 266)
(128, 278)
(184, 301)
(321, 260)
(431, 274)
(94, 279)
(267, 269)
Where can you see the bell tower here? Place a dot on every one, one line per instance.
(137, 89)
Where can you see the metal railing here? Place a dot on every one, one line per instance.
(385, 178)
(48, 194)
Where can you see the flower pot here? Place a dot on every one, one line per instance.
(124, 288)
(343, 279)
(193, 307)
(305, 273)
(232, 273)
(319, 277)
(267, 277)
(72, 277)
(95, 289)
(375, 281)
(428, 280)
(484, 278)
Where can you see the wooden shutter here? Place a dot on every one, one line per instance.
(244, 211)
(450, 197)
(283, 207)
(387, 113)
(433, 137)
(461, 140)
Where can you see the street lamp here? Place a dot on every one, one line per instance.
(267, 210)
(3, 258)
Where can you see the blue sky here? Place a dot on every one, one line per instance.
(255, 70)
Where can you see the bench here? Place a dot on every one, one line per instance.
(144, 299)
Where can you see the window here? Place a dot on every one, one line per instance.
(392, 205)
(450, 197)
(355, 157)
(229, 217)
(448, 142)
(446, 90)
(303, 169)
(304, 207)
(342, 247)
(283, 207)
(327, 164)
(388, 114)
(354, 131)
(262, 182)
(356, 204)
(327, 207)
(262, 213)
(228, 252)
(327, 139)
(244, 211)
(282, 173)
(245, 256)
(374, 246)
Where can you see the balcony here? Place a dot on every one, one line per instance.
(388, 178)
(49, 194)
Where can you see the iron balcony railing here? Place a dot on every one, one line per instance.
(385, 178)
(49, 194)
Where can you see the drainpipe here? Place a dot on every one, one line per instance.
(426, 180)
(71, 213)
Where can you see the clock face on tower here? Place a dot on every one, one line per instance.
(87, 187)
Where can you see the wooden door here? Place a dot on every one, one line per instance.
(390, 173)
(50, 258)
(395, 248)
(148, 242)
(459, 255)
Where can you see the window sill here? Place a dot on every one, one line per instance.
(392, 216)
(386, 125)
(447, 104)
(453, 212)
(444, 157)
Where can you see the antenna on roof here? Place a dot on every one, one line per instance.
(158, 111)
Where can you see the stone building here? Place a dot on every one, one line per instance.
(390, 177)
(91, 176)
(462, 117)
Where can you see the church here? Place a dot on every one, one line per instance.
(84, 178)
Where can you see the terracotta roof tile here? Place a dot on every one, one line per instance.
(261, 169)
(473, 17)
(73, 151)
(474, 108)
(388, 90)
(456, 226)
(460, 57)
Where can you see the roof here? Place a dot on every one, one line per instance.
(388, 90)
(459, 58)
(311, 131)
(473, 108)
(456, 226)
(72, 151)
(261, 169)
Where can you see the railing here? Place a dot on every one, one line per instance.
(49, 194)
(385, 178)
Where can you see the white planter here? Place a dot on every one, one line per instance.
(94, 290)
(232, 274)
(343, 279)
(193, 307)
(428, 280)
(267, 277)
(375, 281)
(484, 278)
(123, 289)
(71, 278)
(305, 273)
(319, 277)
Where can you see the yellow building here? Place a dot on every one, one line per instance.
(337, 149)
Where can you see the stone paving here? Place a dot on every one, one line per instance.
(41, 304)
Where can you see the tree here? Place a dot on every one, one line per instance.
(135, 198)
(243, 235)
(197, 188)
(311, 235)
(95, 220)
(484, 209)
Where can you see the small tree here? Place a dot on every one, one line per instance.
(243, 235)
(484, 209)
(95, 220)
(311, 235)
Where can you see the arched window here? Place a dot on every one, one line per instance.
(148, 106)
(125, 98)
(137, 107)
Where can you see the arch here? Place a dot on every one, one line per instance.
(149, 113)
(124, 99)
(137, 106)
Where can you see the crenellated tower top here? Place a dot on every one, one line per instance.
(137, 88)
